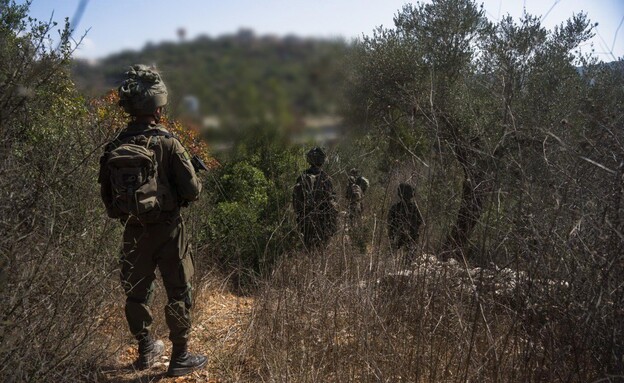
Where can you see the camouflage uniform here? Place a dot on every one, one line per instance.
(145, 176)
(162, 244)
(354, 197)
(404, 220)
(317, 212)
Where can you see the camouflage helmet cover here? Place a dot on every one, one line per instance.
(354, 172)
(405, 191)
(143, 91)
(316, 156)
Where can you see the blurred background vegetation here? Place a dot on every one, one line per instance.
(228, 83)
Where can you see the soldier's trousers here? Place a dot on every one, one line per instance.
(355, 213)
(145, 248)
(315, 233)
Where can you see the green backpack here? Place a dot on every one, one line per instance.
(138, 191)
(304, 194)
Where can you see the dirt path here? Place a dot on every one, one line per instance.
(219, 322)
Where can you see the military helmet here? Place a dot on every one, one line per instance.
(406, 191)
(354, 172)
(316, 156)
(143, 91)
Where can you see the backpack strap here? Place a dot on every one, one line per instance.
(124, 135)
(147, 133)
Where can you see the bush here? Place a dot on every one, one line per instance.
(250, 224)
(57, 249)
(235, 225)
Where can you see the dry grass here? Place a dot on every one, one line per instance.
(345, 316)
(219, 322)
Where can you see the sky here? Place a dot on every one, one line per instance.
(115, 25)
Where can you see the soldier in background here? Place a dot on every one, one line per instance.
(314, 202)
(145, 176)
(356, 188)
(404, 221)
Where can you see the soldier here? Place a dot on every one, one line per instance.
(404, 220)
(314, 202)
(356, 187)
(145, 177)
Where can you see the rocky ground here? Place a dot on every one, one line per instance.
(513, 288)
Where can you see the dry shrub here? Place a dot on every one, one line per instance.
(56, 253)
(60, 255)
(331, 318)
(60, 284)
(548, 310)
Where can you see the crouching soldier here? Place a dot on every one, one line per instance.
(145, 177)
(314, 202)
(404, 220)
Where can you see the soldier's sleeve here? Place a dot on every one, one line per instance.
(416, 221)
(329, 188)
(392, 223)
(104, 181)
(419, 216)
(333, 200)
(186, 182)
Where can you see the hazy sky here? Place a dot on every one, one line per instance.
(116, 25)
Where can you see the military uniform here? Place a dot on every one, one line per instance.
(161, 244)
(145, 176)
(316, 208)
(318, 223)
(404, 221)
(355, 196)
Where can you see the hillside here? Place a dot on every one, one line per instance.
(234, 74)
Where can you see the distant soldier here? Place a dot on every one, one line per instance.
(404, 220)
(145, 177)
(314, 202)
(356, 188)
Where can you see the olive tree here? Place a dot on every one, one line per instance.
(475, 90)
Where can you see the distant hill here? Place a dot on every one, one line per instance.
(232, 74)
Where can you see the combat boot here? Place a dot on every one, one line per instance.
(183, 362)
(149, 351)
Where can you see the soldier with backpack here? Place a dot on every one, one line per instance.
(314, 202)
(356, 188)
(145, 177)
(404, 221)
